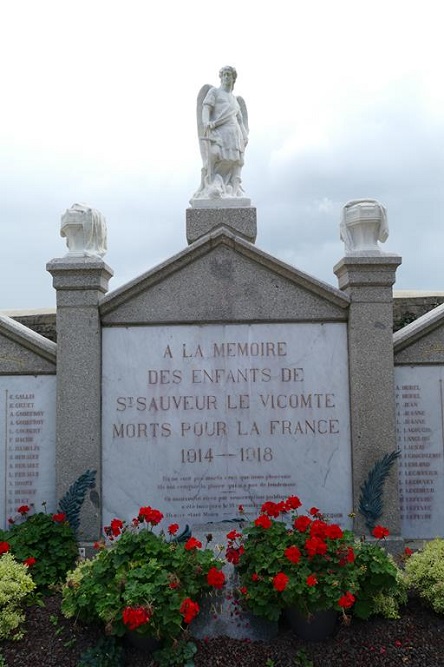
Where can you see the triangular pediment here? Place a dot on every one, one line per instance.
(421, 341)
(23, 351)
(221, 277)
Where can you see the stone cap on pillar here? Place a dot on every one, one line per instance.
(240, 220)
(75, 274)
(367, 273)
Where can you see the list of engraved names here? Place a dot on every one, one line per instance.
(28, 443)
(209, 418)
(420, 419)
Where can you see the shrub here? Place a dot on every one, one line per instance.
(46, 542)
(382, 588)
(425, 574)
(15, 584)
(285, 560)
(142, 581)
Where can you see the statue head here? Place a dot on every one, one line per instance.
(230, 69)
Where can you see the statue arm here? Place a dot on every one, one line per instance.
(206, 116)
(242, 118)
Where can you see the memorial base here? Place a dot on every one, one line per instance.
(240, 220)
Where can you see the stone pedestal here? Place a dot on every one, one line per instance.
(80, 283)
(368, 281)
(202, 221)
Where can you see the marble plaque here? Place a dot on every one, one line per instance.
(420, 429)
(198, 420)
(27, 443)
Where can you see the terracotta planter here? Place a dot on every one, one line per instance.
(317, 627)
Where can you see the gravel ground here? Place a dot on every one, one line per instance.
(416, 640)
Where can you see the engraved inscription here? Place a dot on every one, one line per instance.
(28, 443)
(419, 409)
(210, 418)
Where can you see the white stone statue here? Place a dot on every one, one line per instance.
(222, 125)
(85, 231)
(363, 224)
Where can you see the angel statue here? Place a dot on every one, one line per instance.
(222, 125)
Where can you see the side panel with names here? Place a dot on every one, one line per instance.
(27, 443)
(420, 429)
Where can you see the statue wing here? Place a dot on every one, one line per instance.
(200, 131)
(243, 108)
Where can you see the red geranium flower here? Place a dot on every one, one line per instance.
(233, 535)
(134, 617)
(23, 509)
(192, 543)
(380, 532)
(292, 503)
(319, 528)
(255, 577)
(346, 600)
(60, 517)
(233, 555)
(263, 521)
(314, 511)
(301, 523)
(4, 547)
(350, 555)
(280, 581)
(334, 532)
(150, 515)
(29, 562)
(173, 528)
(116, 527)
(273, 509)
(293, 554)
(243, 590)
(408, 552)
(311, 580)
(216, 578)
(315, 546)
(189, 610)
(347, 556)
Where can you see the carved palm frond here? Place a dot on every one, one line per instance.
(72, 501)
(371, 502)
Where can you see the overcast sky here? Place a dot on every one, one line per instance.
(98, 97)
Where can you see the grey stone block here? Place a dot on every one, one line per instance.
(221, 614)
(202, 221)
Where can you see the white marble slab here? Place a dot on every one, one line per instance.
(27, 443)
(198, 420)
(420, 428)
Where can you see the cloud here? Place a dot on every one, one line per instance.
(100, 106)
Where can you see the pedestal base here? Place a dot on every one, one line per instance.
(241, 221)
(222, 202)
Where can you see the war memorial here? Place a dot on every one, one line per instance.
(223, 376)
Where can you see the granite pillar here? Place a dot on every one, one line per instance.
(80, 283)
(368, 279)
